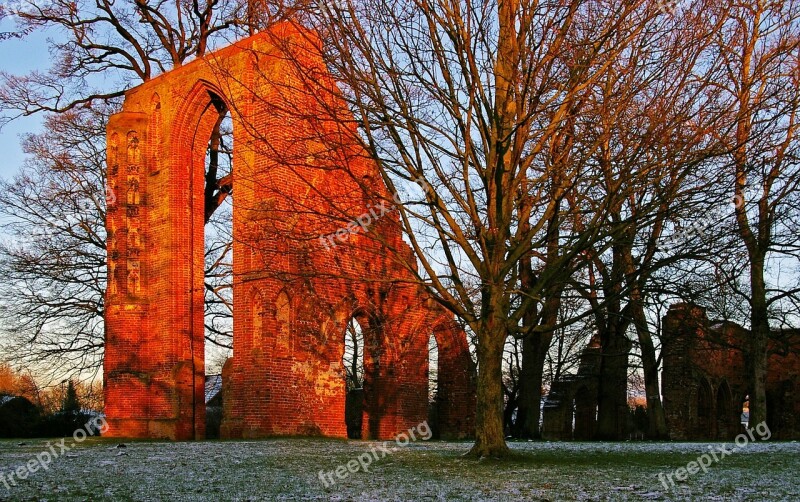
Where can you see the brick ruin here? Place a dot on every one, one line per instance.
(704, 382)
(570, 410)
(294, 292)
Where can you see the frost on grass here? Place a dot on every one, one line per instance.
(287, 469)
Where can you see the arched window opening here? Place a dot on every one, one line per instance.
(433, 385)
(745, 417)
(218, 252)
(283, 315)
(353, 359)
(704, 408)
(725, 414)
(433, 369)
(219, 237)
(353, 364)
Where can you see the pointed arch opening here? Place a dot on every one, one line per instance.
(433, 385)
(257, 317)
(704, 405)
(353, 357)
(725, 413)
(283, 325)
(218, 228)
(353, 364)
(745, 416)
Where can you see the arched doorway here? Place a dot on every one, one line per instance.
(433, 386)
(353, 364)
(725, 413)
(704, 406)
(745, 416)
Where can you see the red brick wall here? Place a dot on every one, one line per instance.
(298, 174)
(701, 354)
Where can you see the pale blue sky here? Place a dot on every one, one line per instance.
(19, 57)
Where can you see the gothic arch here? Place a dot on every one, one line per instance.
(726, 416)
(455, 397)
(258, 314)
(287, 286)
(283, 324)
(704, 403)
(368, 400)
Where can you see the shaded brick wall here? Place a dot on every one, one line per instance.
(704, 381)
(298, 175)
(570, 410)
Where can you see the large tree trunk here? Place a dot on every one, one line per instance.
(757, 240)
(656, 420)
(537, 345)
(489, 438)
(612, 398)
(759, 337)
(530, 379)
(534, 353)
(612, 403)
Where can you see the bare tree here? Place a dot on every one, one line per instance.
(53, 258)
(54, 273)
(107, 41)
(572, 335)
(650, 120)
(759, 48)
(468, 98)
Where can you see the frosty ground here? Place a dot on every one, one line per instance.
(288, 469)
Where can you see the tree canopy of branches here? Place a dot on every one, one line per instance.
(481, 102)
(556, 137)
(125, 43)
(759, 45)
(558, 144)
(54, 256)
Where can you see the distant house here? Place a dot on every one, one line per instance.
(213, 388)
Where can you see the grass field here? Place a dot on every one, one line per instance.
(289, 469)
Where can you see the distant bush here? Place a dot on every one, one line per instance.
(19, 418)
(213, 421)
(68, 419)
(62, 423)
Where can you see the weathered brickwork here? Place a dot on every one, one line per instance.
(704, 382)
(570, 410)
(298, 174)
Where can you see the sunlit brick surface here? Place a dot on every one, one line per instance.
(298, 174)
